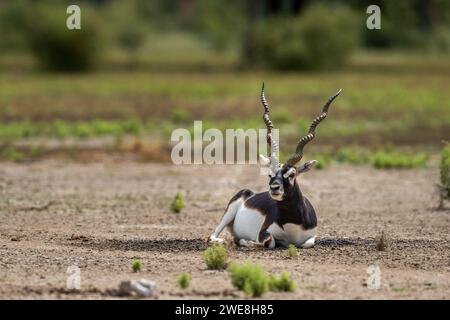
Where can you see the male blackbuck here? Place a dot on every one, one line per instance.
(281, 215)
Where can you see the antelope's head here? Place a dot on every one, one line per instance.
(283, 177)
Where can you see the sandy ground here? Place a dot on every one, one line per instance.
(101, 216)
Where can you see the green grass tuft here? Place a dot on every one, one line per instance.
(254, 281)
(395, 160)
(352, 155)
(177, 203)
(136, 265)
(282, 283)
(291, 251)
(215, 257)
(10, 153)
(250, 278)
(184, 280)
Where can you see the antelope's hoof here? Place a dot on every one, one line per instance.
(246, 243)
(213, 239)
(309, 243)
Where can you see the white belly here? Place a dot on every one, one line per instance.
(248, 222)
(292, 234)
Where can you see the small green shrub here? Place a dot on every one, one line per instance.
(10, 153)
(291, 251)
(314, 40)
(392, 159)
(254, 281)
(250, 278)
(184, 280)
(177, 203)
(215, 257)
(61, 129)
(83, 130)
(281, 283)
(102, 127)
(352, 155)
(58, 48)
(133, 126)
(136, 265)
(445, 171)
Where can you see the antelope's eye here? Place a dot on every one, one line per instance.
(290, 174)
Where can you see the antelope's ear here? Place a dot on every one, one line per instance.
(264, 161)
(306, 166)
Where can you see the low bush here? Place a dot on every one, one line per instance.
(136, 265)
(254, 281)
(250, 278)
(10, 153)
(291, 251)
(58, 48)
(314, 40)
(352, 155)
(177, 203)
(393, 159)
(282, 282)
(184, 280)
(215, 257)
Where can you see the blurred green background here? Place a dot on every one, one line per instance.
(139, 69)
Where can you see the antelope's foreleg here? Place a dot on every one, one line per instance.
(230, 213)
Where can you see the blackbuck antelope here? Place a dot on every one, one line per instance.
(281, 215)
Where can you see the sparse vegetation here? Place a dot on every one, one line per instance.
(184, 280)
(302, 43)
(158, 72)
(59, 48)
(291, 251)
(352, 155)
(250, 278)
(215, 257)
(254, 281)
(136, 265)
(282, 282)
(177, 203)
(9, 153)
(65, 129)
(392, 159)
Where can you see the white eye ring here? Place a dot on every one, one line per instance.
(290, 173)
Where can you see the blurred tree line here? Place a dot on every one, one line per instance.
(283, 34)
